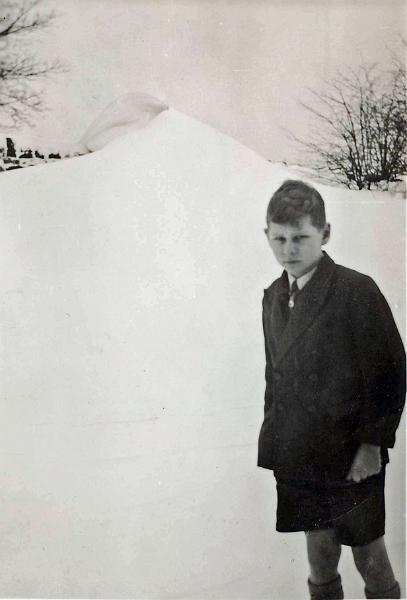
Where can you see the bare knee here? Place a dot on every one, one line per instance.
(370, 556)
(324, 551)
(373, 564)
(323, 541)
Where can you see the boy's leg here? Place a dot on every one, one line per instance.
(373, 564)
(324, 551)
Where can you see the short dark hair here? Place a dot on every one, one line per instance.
(293, 200)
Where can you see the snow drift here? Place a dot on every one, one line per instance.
(132, 367)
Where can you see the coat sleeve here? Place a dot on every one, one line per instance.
(268, 371)
(381, 361)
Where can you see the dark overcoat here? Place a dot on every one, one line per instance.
(335, 374)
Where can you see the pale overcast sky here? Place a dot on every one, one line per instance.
(240, 66)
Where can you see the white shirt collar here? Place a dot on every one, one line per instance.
(301, 281)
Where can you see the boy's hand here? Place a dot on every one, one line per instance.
(367, 462)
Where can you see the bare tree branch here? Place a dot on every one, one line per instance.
(19, 66)
(359, 125)
(19, 17)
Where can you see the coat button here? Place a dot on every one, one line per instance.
(277, 376)
(313, 377)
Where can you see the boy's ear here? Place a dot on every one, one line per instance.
(327, 233)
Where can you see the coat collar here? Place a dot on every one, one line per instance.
(308, 304)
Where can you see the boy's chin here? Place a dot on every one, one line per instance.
(297, 270)
(300, 268)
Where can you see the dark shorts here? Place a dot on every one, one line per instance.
(355, 510)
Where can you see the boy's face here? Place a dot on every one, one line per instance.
(297, 248)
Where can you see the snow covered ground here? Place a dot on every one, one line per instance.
(132, 368)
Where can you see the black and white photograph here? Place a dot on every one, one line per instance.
(203, 299)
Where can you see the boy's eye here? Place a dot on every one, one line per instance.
(296, 238)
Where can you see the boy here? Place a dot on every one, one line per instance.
(335, 390)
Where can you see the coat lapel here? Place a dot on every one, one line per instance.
(286, 331)
(276, 313)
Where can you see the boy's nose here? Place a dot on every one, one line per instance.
(290, 250)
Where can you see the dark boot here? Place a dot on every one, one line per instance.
(393, 592)
(327, 591)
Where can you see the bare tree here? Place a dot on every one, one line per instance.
(359, 126)
(20, 98)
